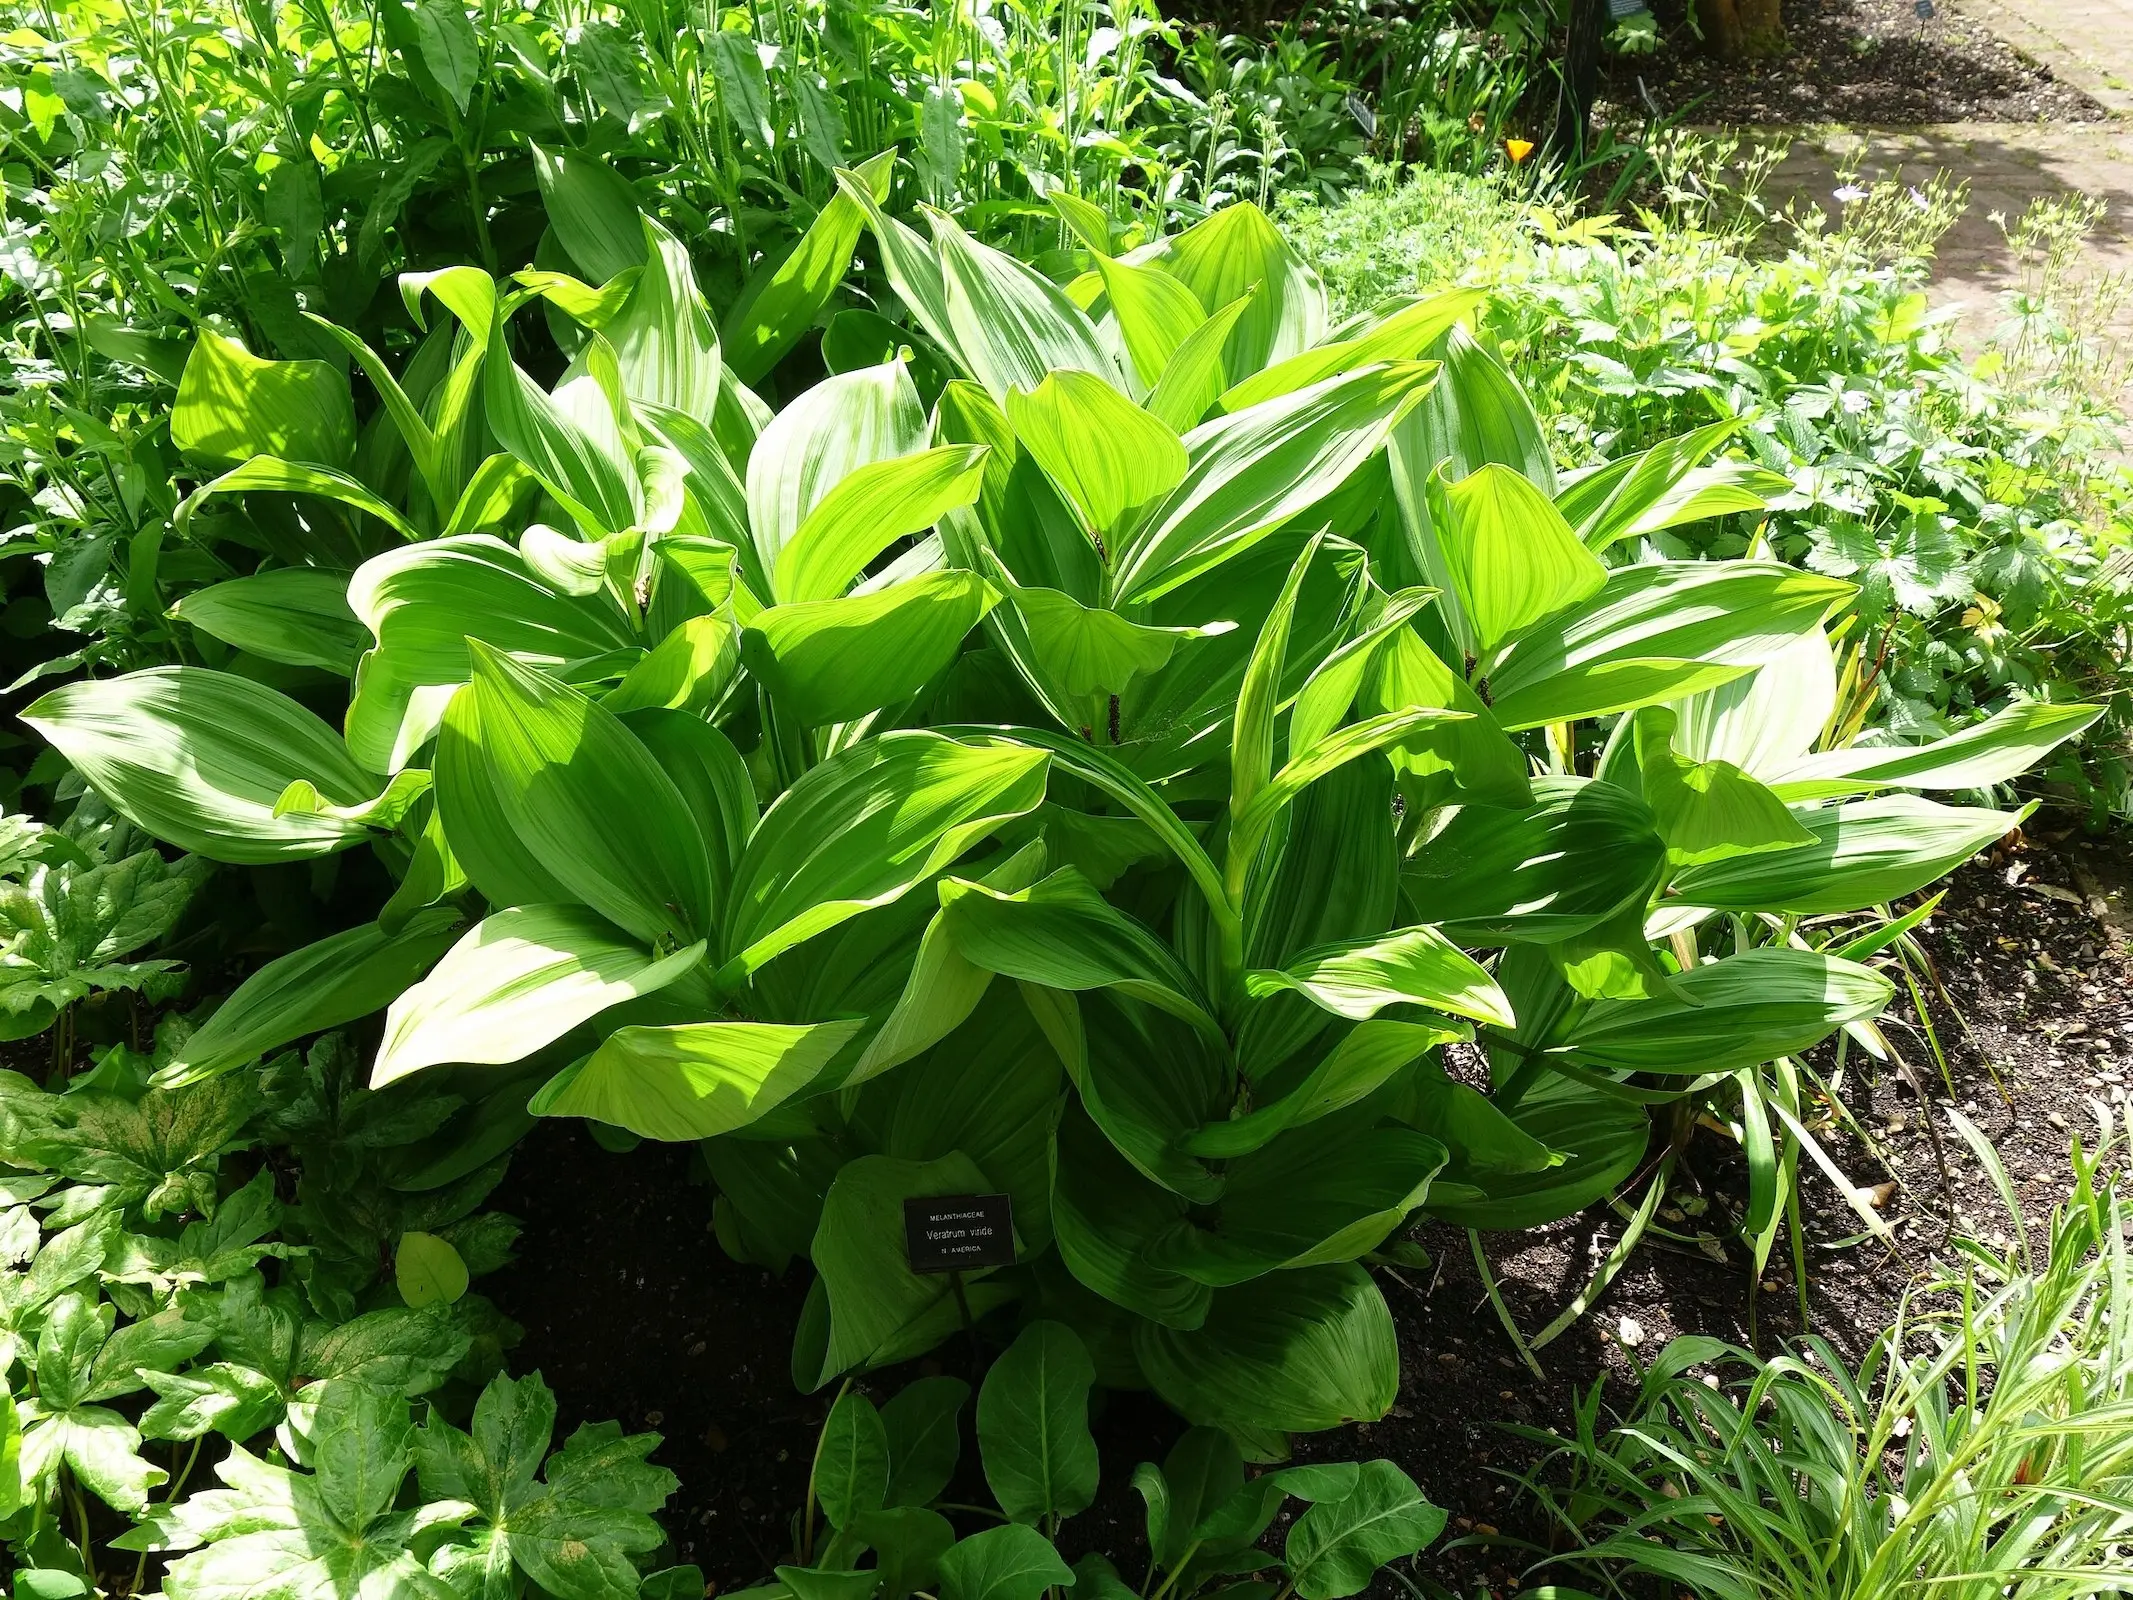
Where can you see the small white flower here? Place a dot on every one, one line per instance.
(1850, 192)
(1919, 200)
(1631, 1332)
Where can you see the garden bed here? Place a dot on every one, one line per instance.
(1866, 63)
(631, 1310)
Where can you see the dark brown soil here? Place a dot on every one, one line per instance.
(631, 1310)
(1866, 63)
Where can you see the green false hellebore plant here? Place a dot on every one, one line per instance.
(1093, 790)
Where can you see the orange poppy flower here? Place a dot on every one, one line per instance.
(1518, 149)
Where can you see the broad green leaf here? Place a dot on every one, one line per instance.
(1508, 554)
(1253, 470)
(1766, 721)
(690, 670)
(232, 405)
(923, 1422)
(2003, 746)
(1322, 1193)
(1367, 1057)
(593, 210)
(843, 422)
(1149, 1080)
(1415, 966)
(1738, 1012)
(1105, 1214)
(1729, 613)
(1009, 325)
(880, 1311)
(693, 1080)
(1601, 1138)
(851, 1475)
(830, 661)
(1195, 375)
(337, 980)
(292, 477)
(295, 615)
(1405, 334)
(1238, 252)
(424, 604)
(476, 832)
(1865, 853)
(1666, 486)
(782, 300)
(566, 772)
(1706, 811)
(870, 509)
(575, 452)
(1088, 650)
(1060, 933)
(1033, 1425)
(1155, 314)
(908, 1543)
(428, 1271)
(1578, 854)
(199, 759)
(866, 825)
(1603, 688)
(1295, 1352)
(1012, 1562)
(666, 349)
(1107, 455)
(1337, 1546)
(517, 981)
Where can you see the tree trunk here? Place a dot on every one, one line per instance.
(1736, 29)
(1581, 78)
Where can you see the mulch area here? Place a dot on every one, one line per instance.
(631, 1311)
(1867, 63)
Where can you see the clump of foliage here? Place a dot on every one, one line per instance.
(1982, 1447)
(161, 1313)
(1087, 782)
(880, 1473)
(1981, 520)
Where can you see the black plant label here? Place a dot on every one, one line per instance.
(959, 1232)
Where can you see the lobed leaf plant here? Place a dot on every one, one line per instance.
(1142, 778)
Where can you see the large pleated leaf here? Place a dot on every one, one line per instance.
(1564, 864)
(862, 828)
(2003, 746)
(1011, 325)
(1252, 470)
(1768, 720)
(843, 422)
(1508, 554)
(694, 1080)
(1865, 853)
(666, 349)
(423, 605)
(835, 660)
(869, 510)
(233, 405)
(1105, 453)
(1237, 253)
(199, 759)
(518, 981)
(880, 1311)
(337, 980)
(1414, 966)
(1367, 1056)
(1322, 1193)
(1731, 613)
(1294, 1352)
(1738, 1012)
(295, 615)
(1600, 1137)
(576, 453)
(585, 798)
(1105, 1214)
(1060, 933)
(1706, 810)
(780, 303)
(1402, 334)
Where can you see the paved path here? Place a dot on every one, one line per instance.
(2008, 165)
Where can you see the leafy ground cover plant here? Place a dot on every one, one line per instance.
(1980, 519)
(881, 1474)
(161, 1314)
(1983, 1446)
(1106, 770)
